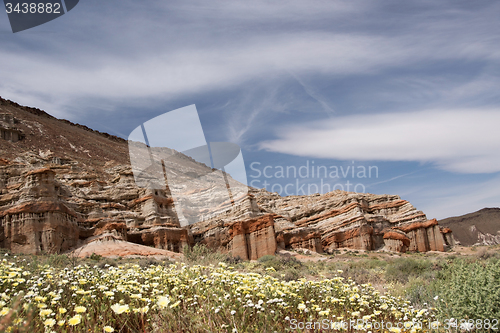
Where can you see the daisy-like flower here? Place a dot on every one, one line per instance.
(163, 301)
(108, 329)
(119, 309)
(324, 312)
(45, 312)
(49, 322)
(301, 306)
(4, 311)
(75, 320)
(80, 309)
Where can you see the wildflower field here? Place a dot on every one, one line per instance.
(184, 297)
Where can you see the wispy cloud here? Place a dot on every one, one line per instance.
(464, 141)
(168, 50)
(422, 78)
(390, 179)
(458, 199)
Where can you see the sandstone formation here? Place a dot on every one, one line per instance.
(252, 239)
(355, 220)
(424, 236)
(111, 247)
(65, 187)
(300, 238)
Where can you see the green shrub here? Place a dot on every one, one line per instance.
(95, 257)
(201, 254)
(107, 262)
(470, 289)
(290, 274)
(419, 292)
(233, 260)
(146, 262)
(59, 260)
(266, 258)
(401, 269)
(291, 262)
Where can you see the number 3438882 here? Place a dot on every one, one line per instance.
(33, 8)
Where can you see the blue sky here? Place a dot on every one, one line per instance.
(408, 88)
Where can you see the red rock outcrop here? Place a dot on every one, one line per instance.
(396, 241)
(172, 239)
(253, 238)
(300, 238)
(35, 228)
(109, 246)
(424, 236)
(448, 237)
(358, 220)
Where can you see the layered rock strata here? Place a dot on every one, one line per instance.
(253, 238)
(64, 187)
(357, 221)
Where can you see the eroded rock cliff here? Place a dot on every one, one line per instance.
(65, 187)
(353, 220)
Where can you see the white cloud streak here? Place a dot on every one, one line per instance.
(139, 57)
(464, 141)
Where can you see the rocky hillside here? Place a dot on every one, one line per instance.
(65, 187)
(354, 220)
(478, 228)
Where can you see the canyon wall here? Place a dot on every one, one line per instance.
(354, 220)
(64, 187)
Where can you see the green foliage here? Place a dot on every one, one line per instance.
(266, 258)
(179, 298)
(95, 257)
(201, 254)
(470, 289)
(402, 269)
(291, 274)
(280, 263)
(419, 292)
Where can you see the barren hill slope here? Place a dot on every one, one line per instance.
(44, 134)
(481, 227)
